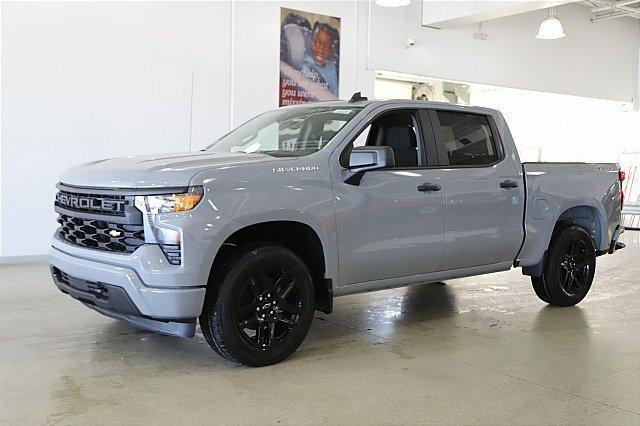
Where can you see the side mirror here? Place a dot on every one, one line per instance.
(367, 158)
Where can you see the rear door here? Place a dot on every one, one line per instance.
(485, 194)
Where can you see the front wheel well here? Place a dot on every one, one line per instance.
(298, 237)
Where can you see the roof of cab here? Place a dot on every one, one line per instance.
(417, 103)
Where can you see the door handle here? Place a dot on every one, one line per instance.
(428, 187)
(508, 184)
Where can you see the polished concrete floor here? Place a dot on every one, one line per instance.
(481, 350)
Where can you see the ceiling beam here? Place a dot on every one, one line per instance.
(614, 9)
(613, 16)
(618, 5)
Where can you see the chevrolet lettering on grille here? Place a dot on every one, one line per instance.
(89, 203)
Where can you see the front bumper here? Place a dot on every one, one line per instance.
(119, 292)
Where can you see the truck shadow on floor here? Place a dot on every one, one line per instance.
(358, 321)
(413, 304)
(352, 314)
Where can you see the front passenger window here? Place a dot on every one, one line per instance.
(398, 130)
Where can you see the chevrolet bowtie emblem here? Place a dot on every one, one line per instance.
(115, 233)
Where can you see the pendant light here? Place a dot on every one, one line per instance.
(551, 27)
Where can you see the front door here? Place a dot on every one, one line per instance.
(391, 225)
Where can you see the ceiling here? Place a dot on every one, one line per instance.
(605, 9)
(447, 14)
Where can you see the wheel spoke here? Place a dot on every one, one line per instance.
(563, 277)
(255, 287)
(246, 311)
(285, 292)
(582, 259)
(280, 281)
(572, 251)
(582, 272)
(289, 307)
(566, 279)
(570, 283)
(250, 323)
(272, 333)
(261, 336)
(577, 283)
(284, 320)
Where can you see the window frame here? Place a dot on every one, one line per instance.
(441, 143)
(426, 141)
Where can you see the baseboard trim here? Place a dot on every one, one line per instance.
(32, 258)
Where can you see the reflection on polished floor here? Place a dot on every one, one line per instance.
(475, 350)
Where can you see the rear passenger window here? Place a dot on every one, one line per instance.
(468, 138)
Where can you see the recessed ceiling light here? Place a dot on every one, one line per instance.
(551, 27)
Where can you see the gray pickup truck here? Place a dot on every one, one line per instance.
(305, 203)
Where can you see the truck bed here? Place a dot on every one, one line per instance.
(568, 190)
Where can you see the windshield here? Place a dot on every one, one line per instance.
(287, 132)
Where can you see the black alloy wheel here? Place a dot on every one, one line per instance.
(268, 307)
(569, 267)
(575, 267)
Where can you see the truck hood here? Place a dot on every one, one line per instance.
(154, 171)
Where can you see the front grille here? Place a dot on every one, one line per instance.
(101, 234)
(110, 205)
(105, 220)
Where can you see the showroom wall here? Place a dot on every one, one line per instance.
(82, 81)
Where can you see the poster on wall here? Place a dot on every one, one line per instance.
(309, 57)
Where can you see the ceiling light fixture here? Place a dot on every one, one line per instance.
(551, 27)
(393, 3)
(481, 35)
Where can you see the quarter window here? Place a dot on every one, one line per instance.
(361, 140)
(468, 138)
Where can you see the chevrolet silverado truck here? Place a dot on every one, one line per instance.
(305, 203)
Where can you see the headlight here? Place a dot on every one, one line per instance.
(169, 203)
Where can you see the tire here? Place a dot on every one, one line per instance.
(261, 309)
(569, 268)
(538, 287)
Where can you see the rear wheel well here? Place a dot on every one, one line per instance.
(585, 217)
(295, 236)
